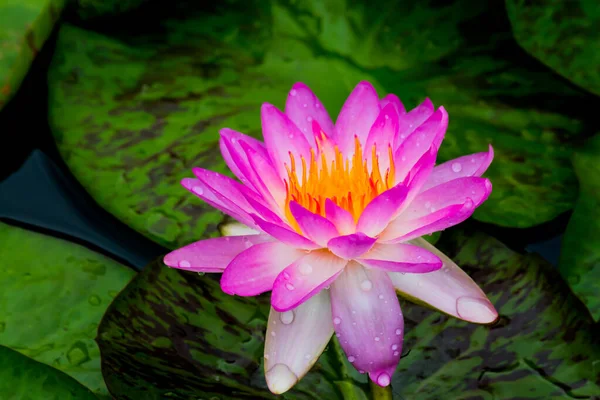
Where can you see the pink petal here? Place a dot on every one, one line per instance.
(264, 177)
(284, 235)
(380, 211)
(368, 321)
(282, 138)
(417, 177)
(350, 246)
(212, 255)
(294, 341)
(342, 219)
(254, 270)
(401, 258)
(304, 278)
(450, 290)
(315, 227)
(303, 107)
(393, 100)
(438, 208)
(412, 120)
(381, 136)
(207, 193)
(356, 117)
(429, 134)
(471, 165)
(229, 144)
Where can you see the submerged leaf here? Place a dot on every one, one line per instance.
(54, 294)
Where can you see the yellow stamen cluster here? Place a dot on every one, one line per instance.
(350, 185)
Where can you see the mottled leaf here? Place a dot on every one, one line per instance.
(54, 294)
(133, 114)
(22, 378)
(579, 261)
(563, 34)
(24, 27)
(176, 335)
(544, 345)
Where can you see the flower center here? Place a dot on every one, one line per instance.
(349, 183)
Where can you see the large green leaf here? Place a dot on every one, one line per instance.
(177, 335)
(132, 115)
(579, 261)
(54, 294)
(176, 332)
(24, 27)
(22, 378)
(563, 34)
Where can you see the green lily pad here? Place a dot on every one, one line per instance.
(176, 332)
(579, 261)
(176, 335)
(22, 378)
(54, 294)
(563, 35)
(132, 115)
(24, 27)
(88, 9)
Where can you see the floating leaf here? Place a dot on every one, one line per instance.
(23, 378)
(133, 114)
(24, 27)
(579, 261)
(54, 294)
(563, 35)
(173, 332)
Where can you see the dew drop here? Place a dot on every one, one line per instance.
(273, 333)
(411, 125)
(287, 317)
(396, 353)
(380, 297)
(394, 347)
(304, 105)
(351, 359)
(184, 264)
(403, 158)
(398, 332)
(360, 371)
(337, 335)
(427, 204)
(233, 140)
(317, 105)
(201, 273)
(198, 190)
(286, 275)
(366, 285)
(289, 286)
(293, 92)
(387, 116)
(266, 356)
(305, 269)
(456, 167)
(377, 338)
(291, 135)
(383, 379)
(402, 136)
(307, 356)
(337, 320)
(432, 209)
(247, 243)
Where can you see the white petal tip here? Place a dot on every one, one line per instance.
(236, 229)
(476, 310)
(280, 378)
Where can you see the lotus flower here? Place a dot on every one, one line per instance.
(331, 222)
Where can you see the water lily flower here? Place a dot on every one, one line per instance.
(331, 222)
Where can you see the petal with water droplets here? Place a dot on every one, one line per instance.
(303, 107)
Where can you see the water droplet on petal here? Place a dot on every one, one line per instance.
(286, 275)
(266, 356)
(198, 190)
(309, 119)
(396, 353)
(383, 379)
(456, 167)
(403, 158)
(351, 359)
(394, 347)
(304, 105)
(289, 286)
(233, 140)
(293, 92)
(337, 334)
(402, 136)
(317, 105)
(398, 332)
(360, 371)
(273, 333)
(366, 285)
(446, 270)
(184, 264)
(307, 356)
(305, 269)
(387, 116)
(337, 320)
(380, 297)
(287, 317)
(291, 135)
(247, 243)
(427, 204)
(377, 338)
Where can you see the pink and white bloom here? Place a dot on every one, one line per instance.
(332, 217)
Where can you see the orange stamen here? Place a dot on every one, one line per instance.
(348, 183)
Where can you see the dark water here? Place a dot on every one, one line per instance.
(37, 190)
